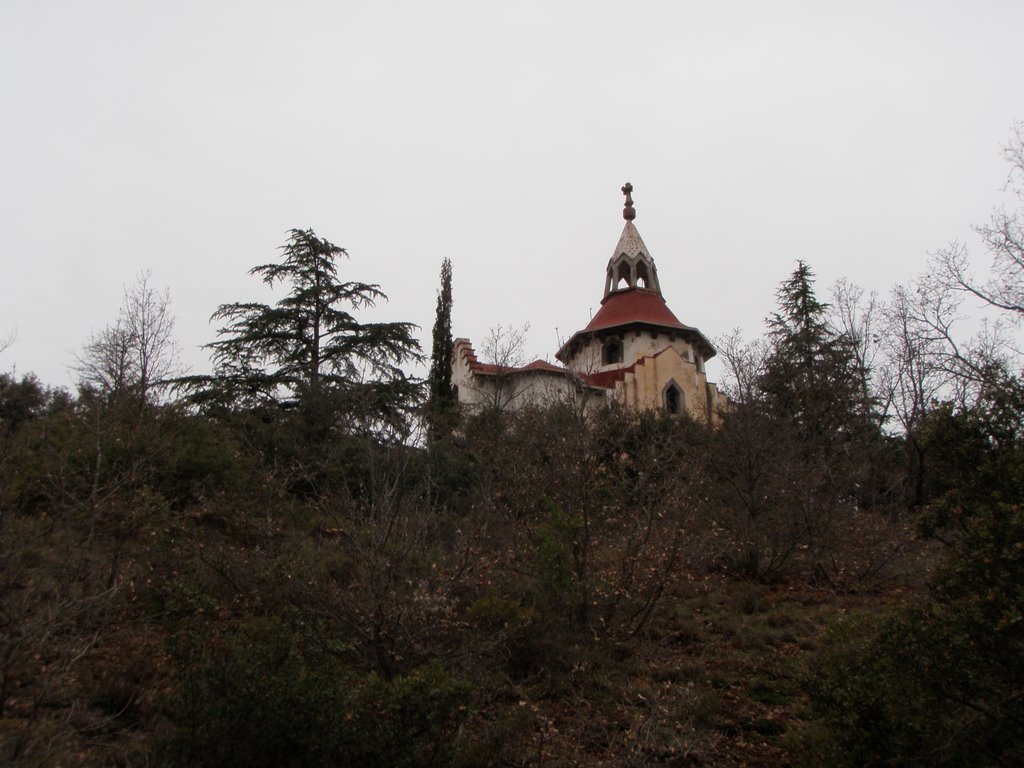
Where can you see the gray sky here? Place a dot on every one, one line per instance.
(188, 137)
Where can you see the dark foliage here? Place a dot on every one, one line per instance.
(283, 577)
(811, 377)
(259, 694)
(21, 400)
(308, 350)
(440, 398)
(942, 683)
(802, 455)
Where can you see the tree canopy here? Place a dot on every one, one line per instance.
(810, 374)
(309, 348)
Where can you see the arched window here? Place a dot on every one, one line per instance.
(674, 399)
(623, 276)
(642, 280)
(611, 352)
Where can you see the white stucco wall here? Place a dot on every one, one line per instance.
(656, 361)
(635, 345)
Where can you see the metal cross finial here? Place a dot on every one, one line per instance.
(628, 213)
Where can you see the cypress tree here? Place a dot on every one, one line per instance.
(441, 398)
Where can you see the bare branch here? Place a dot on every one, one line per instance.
(138, 352)
(856, 315)
(1003, 237)
(6, 341)
(504, 348)
(744, 365)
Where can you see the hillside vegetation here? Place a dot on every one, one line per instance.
(308, 558)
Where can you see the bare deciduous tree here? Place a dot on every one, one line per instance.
(950, 280)
(504, 348)
(1003, 237)
(937, 317)
(911, 375)
(7, 340)
(856, 314)
(744, 365)
(138, 352)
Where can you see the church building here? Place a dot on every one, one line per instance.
(634, 352)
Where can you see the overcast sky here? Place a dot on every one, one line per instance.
(186, 138)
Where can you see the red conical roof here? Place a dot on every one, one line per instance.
(638, 304)
(634, 306)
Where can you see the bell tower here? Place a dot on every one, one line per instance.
(631, 265)
(634, 352)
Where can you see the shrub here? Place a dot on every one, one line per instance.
(262, 695)
(941, 683)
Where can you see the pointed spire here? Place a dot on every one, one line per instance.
(631, 265)
(628, 213)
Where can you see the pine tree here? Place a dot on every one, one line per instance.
(441, 398)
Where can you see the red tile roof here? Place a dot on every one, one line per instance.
(463, 348)
(607, 379)
(537, 366)
(542, 365)
(634, 306)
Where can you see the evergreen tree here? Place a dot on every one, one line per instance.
(308, 349)
(822, 452)
(441, 402)
(810, 376)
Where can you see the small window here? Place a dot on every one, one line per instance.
(674, 399)
(612, 352)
